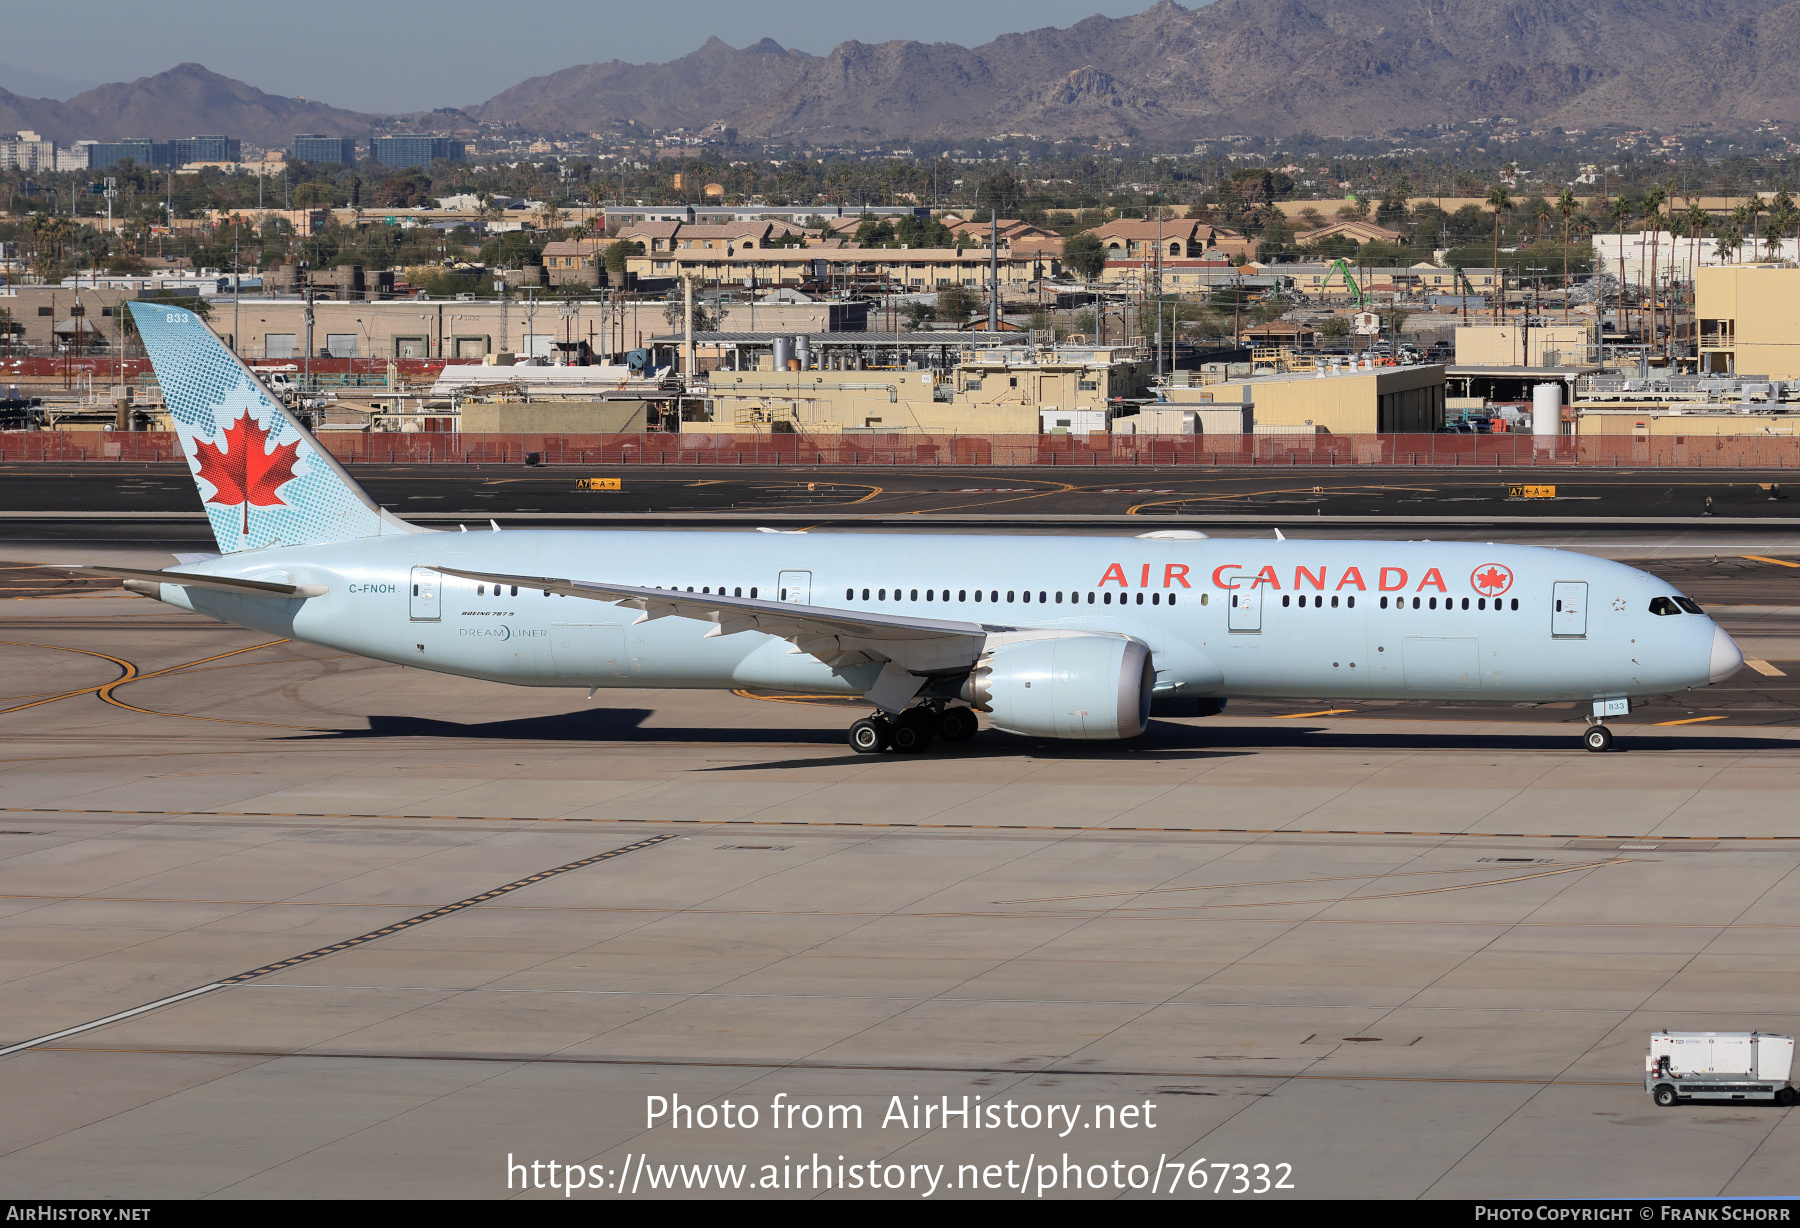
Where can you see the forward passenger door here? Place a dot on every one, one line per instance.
(1568, 613)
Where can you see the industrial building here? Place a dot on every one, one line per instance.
(1749, 320)
(1570, 344)
(312, 147)
(997, 390)
(1359, 399)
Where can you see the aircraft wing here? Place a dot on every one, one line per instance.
(836, 637)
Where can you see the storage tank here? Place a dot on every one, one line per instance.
(784, 352)
(1546, 410)
(803, 351)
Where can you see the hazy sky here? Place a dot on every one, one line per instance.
(393, 56)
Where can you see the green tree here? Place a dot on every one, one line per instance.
(1084, 255)
(917, 314)
(954, 304)
(621, 251)
(1336, 328)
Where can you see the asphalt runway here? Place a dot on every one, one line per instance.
(404, 927)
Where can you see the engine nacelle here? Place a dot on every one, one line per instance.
(1070, 686)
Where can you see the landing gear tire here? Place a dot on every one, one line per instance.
(1664, 1095)
(1598, 738)
(957, 724)
(914, 730)
(871, 735)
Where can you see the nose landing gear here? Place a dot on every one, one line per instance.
(1598, 738)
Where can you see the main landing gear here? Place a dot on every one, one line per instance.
(1598, 737)
(913, 730)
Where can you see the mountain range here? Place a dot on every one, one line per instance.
(1259, 67)
(187, 100)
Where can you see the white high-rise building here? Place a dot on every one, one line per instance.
(27, 151)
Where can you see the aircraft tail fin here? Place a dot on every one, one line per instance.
(264, 479)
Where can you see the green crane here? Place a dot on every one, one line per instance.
(1338, 266)
(1468, 290)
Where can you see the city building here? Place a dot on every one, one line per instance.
(313, 147)
(917, 269)
(1171, 238)
(1014, 234)
(575, 262)
(102, 155)
(411, 149)
(1677, 256)
(27, 151)
(716, 214)
(1356, 230)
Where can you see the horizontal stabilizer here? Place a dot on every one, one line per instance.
(223, 584)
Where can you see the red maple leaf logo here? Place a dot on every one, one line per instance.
(245, 471)
(1494, 581)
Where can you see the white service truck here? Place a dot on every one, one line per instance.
(1719, 1066)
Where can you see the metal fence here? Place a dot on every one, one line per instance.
(1051, 451)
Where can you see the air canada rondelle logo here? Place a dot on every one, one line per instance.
(1491, 579)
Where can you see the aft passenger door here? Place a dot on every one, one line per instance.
(795, 586)
(1568, 613)
(1246, 606)
(424, 599)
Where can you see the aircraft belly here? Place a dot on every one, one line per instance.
(773, 663)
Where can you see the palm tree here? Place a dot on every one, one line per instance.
(1697, 219)
(1740, 222)
(1500, 203)
(1620, 211)
(1566, 204)
(1653, 203)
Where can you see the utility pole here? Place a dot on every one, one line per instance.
(306, 316)
(994, 267)
(1158, 292)
(687, 326)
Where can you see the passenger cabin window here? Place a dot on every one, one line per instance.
(1664, 606)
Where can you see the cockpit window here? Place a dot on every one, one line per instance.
(1689, 604)
(1664, 605)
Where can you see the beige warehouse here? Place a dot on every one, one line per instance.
(1384, 400)
(1749, 320)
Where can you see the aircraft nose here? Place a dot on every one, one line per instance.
(1726, 660)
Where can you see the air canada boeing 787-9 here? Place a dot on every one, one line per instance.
(1059, 637)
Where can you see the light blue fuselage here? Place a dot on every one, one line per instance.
(1357, 635)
